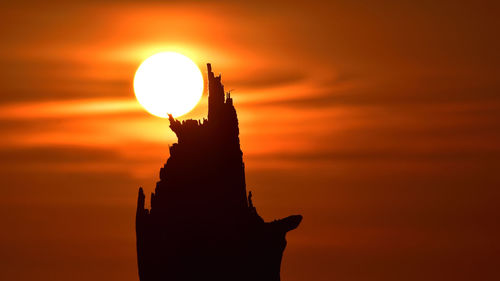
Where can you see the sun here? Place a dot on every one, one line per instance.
(168, 83)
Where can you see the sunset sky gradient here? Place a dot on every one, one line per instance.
(378, 121)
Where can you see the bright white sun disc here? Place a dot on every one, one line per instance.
(168, 83)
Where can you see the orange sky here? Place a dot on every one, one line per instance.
(379, 122)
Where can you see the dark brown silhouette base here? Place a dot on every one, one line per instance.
(201, 225)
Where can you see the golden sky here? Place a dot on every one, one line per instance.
(378, 121)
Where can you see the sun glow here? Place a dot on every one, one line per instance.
(168, 83)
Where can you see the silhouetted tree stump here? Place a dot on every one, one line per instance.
(201, 225)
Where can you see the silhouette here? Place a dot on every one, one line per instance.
(201, 225)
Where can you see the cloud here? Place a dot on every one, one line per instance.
(264, 79)
(44, 80)
(387, 154)
(54, 154)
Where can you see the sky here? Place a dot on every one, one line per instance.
(378, 121)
